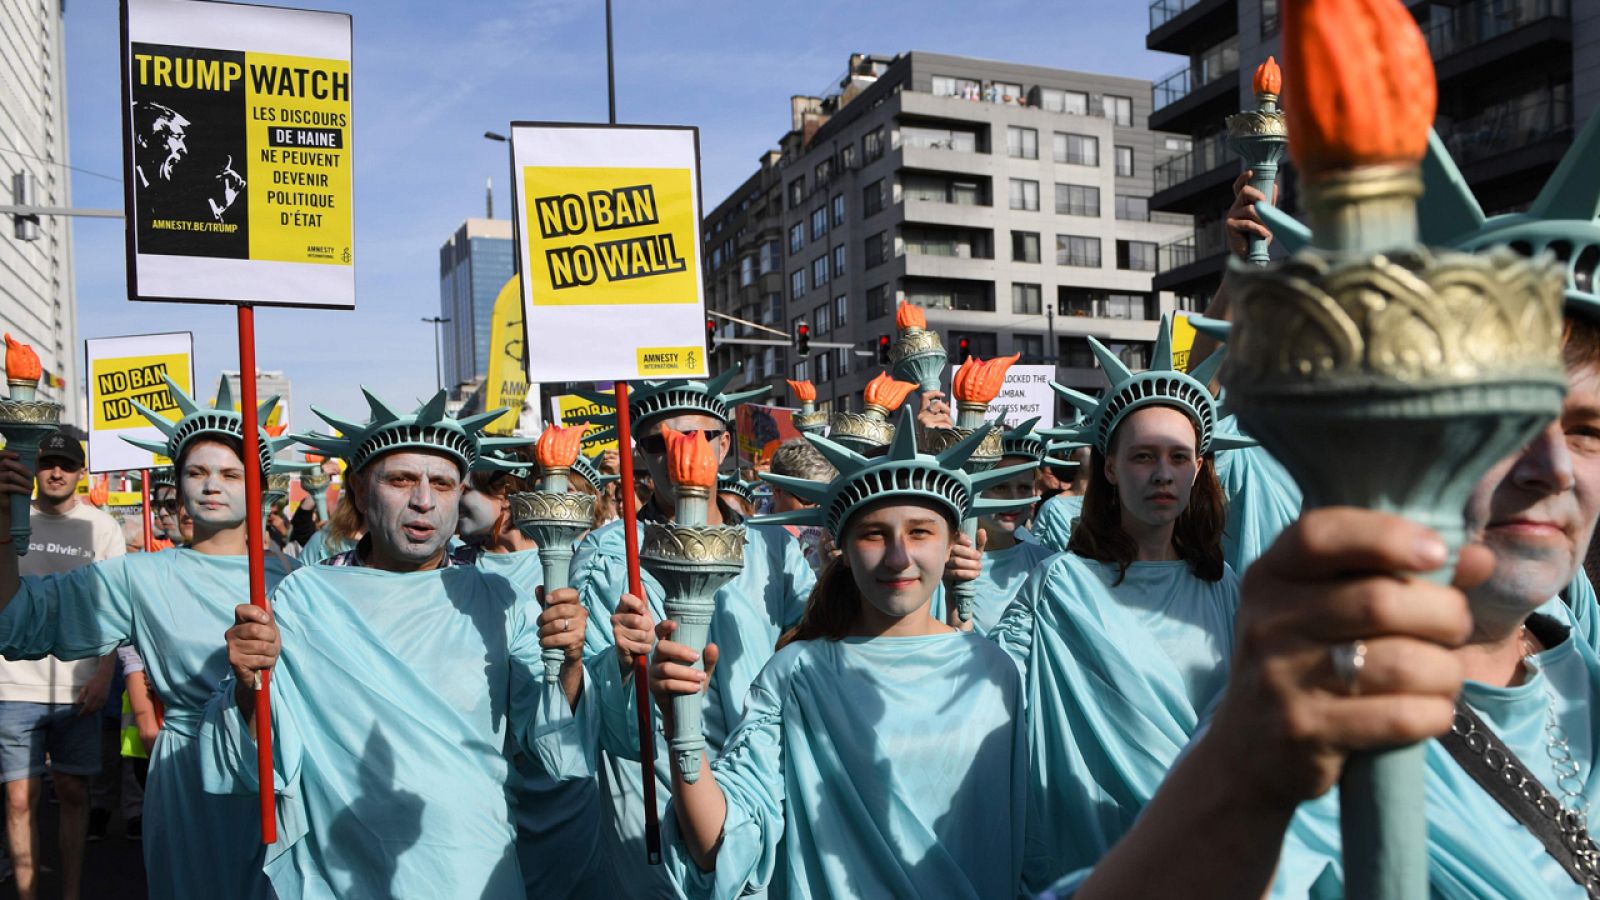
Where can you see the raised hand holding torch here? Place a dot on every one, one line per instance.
(554, 517)
(25, 421)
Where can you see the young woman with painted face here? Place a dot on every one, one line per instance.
(1010, 551)
(172, 607)
(881, 752)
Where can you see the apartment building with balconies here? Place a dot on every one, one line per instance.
(1010, 201)
(1514, 77)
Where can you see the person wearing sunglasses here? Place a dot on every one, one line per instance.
(753, 611)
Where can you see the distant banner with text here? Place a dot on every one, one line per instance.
(608, 225)
(122, 371)
(237, 154)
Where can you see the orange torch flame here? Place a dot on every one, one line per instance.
(910, 316)
(22, 364)
(886, 392)
(979, 381)
(691, 460)
(1269, 78)
(1361, 84)
(804, 391)
(557, 447)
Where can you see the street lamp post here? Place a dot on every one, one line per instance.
(438, 350)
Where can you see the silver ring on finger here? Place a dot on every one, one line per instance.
(1348, 660)
(565, 624)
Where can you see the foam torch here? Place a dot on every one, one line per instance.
(871, 428)
(554, 517)
(24, 421)
(918, 355)
(809, 421)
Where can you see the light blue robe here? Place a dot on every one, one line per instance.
(173, 607)
(1116, 680)
(1475, 848)
(1052, 522)
(753, 611)
(392, 701)
(557, 821)
(1004, 572)
(884, 767)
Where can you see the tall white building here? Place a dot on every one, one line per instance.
(37, 300)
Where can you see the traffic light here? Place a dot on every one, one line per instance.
(883, 349)
(802, 339)
(711, 334)
(963, 349)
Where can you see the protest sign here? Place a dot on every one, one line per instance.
(237, 154)
(506, 384)
(1025, 394)
(121, 371)
(760, 427)
(570, 409)
(1182, 342)
(608, 233)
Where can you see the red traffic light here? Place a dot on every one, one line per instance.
(711, 334)
(802, 339)
(964, 349)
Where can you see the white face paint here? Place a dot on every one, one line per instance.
(410, 504)
(896, 552)
(1153, 465)
(479, 514)
(212, 486)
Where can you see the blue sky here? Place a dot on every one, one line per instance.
(431, 77)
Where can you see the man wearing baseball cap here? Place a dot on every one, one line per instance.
(47, 706)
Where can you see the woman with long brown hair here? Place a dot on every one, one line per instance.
(881, 751)
(1131, 629)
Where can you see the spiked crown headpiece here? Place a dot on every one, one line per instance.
(1160, 385)
(731, 484)
(901, 472)
(651, 400)
(1564, 219)
(216, 420)
(428, 428)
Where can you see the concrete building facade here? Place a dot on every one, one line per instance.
(1010, 201)
(474, 264)
(1515, 77)
(37, 300)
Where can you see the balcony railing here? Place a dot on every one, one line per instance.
(1510, 125)
(1207, 154)
(1207, 66)
(1164, 11)
(1175, 255)
(1473, 23)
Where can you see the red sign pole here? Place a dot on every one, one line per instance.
(641, 676)
(258, 578)
(149, 526)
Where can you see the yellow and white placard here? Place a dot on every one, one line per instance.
(124, 370)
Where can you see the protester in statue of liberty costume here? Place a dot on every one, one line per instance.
(1141, 599)
(403, 671)
(1510, 650)
(172, 607)
(1010, 551)
(557, 820)
(881, 752)
(753, 610)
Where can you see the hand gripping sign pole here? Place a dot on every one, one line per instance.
(641, 687)
(210, 227)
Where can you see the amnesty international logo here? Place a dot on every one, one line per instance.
(664, 362)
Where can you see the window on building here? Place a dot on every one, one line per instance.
(819, 271)
(838, 260)
(1133, 209)
(872, 145)
(819, 222)
(948, 86)
(1077, 200)
(879, 302)
(874, 197)
(841, 366)
(771, 255)
(1124, 161)
(800, 371)
(1118, 109)
(849, 157)
(823, 171)
(1026, 299)
(841, 310)
(1025, 246)
(797, 284)
(1075, 353)
(1031, 346)
(1006, 92)
(824, 366)
(747, 271)
(931, 138)
(772, 309)
(962, 295)
(1022, 143)
(716, 257)
(1077, 250)
(982, 344)
(797, 192)
(797, 237)
(878, 248)
(822, 318)
(1024, 194)
(837, 205)
(1137, 256)
(1073, 102)
(1269, 18)
(1077, 149)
